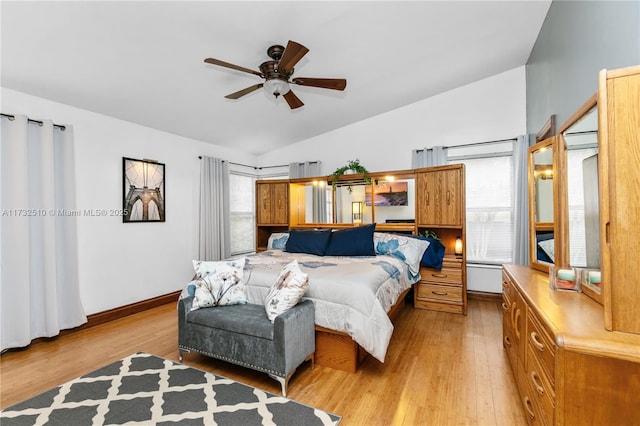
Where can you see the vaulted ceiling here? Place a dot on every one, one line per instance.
(143, 61)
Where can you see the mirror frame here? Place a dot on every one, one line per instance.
(564, 216)
(558, 230)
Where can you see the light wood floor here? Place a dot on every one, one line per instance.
(441, 369)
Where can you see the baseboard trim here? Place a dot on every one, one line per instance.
(126, 310)
(484, 295)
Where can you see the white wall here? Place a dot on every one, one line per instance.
(489, 109)
(126, 263)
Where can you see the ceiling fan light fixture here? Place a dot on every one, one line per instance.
(276, 87)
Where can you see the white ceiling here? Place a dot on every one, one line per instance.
(143, 61)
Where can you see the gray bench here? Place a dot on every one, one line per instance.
(243, 335)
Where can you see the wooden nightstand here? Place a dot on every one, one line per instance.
(442, 290)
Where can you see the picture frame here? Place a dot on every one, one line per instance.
(143, 191)
(387, 193)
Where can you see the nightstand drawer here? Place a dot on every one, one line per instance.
(441, 293)
(445, 275)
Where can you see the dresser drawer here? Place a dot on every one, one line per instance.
(541, 390)
(445, 275)
(440, 293)
(542, 347)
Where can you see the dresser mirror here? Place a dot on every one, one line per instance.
(580, 216)
(543, 193)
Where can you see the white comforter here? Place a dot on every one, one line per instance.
(350, 294)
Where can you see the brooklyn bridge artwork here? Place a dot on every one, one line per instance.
(143, 190)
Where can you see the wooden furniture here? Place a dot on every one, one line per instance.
(568, 368)
(545, 193)
(440, 207)
(619, 148)
(578, 179)
(337, 350)
(272, 209)
(442, 290)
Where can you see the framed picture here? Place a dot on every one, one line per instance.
(388, 194)
(143, 191)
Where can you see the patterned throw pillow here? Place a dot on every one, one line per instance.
(287, 291)
(277, 241)
(409, 250)
(219, 283)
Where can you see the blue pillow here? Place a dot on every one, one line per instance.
(357, 241)
(311, 241)
(433, 255)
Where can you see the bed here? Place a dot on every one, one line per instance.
(357, 279)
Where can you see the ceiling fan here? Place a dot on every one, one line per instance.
(278, 72)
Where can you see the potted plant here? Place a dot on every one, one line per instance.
(353, 166)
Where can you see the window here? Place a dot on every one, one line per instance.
(489, 200)
(242, 227)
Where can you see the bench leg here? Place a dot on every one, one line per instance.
(180, 352)
(284, 381)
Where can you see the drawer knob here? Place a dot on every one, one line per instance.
(439, 293)
(439, 275)
(529, 407)
(516, 323)
(536, 341)
(507, 342)
(535, 379)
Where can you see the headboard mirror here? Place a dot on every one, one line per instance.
(580, 215)
(543, 202)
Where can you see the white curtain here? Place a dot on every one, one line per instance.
(40, 291)
(214, 234)
(520, 201)
(429, 157)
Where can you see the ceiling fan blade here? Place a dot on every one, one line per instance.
(325, 83)
(243, 92)
(293, 101)
(232, 66)
(290, 57)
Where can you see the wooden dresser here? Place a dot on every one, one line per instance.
(568, 368)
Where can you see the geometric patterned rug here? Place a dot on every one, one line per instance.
(144, 389)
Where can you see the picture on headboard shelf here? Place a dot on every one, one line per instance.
(388, 194)
(143, 191)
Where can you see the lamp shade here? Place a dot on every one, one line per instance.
(276, 87)
(458, 247)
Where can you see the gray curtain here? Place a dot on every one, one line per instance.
(214, 234)
(429, 157)
(40, 286)
(319, 192)
(520, 201)
(306, 169)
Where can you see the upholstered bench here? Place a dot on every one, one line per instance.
(243, 335)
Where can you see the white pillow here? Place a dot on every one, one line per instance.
(287, 291)
(219, 283)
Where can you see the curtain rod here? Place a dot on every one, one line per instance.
(251, 167)
(12, 117)
(476, 144)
